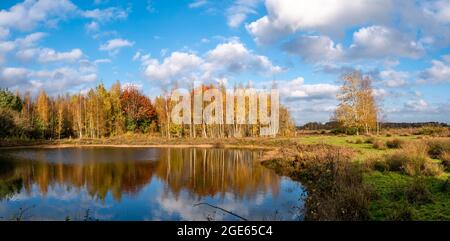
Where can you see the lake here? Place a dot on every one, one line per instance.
(109, 183)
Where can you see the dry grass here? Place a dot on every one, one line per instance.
(437, 147)
(395, 143)
(379, 145)
(412, 159)
(445, 158)
(334, 183)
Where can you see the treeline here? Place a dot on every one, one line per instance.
(314, 126)
(105, 113)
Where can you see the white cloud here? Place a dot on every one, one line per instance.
(49, 55)
(197, 3)
(380, 41)
(5, 48)
(30, 40)
(392, 78)
(307, 102)
(29, 14)
(439, 72)
(107, 14)
(226, 59)
(178, 64)
(55, 81)
(13, 76)
(416, 105)
(92, 27)
(234, 57)
(114, 45)
(4, 33)
(102, 61)
(239, 10)
(439, 10)
(315, 48)
(327, 16)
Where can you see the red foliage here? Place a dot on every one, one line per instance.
(137, 106)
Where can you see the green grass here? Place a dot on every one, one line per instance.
(363, 150)
(391, 198)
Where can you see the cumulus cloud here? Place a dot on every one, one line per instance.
(439, 10)
(92, 27)
(296, 89)
(393, 79)
(416, 105)
(239, 10)
(28, 41)
(50, 55)
(327, 16)
(439, 72)
(30, 14)
(13, 76)
(54, 81)
(178, 64)
(373, 42)
(4, 32)
(27, 15)
(114, 45)
(314, 48)
(234, 57)
(106, 15)
(226, 59)
(380, 42)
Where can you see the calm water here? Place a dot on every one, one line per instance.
(142, 184)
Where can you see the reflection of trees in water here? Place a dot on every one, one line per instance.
(215, 171)
(203, 172)
(98, 178)
(10, 184)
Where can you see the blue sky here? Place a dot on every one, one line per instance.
(303, 46)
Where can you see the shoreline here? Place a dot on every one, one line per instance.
(208, 146)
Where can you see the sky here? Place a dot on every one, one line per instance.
(303, 46)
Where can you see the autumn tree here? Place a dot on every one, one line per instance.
(287, 124)
(117, 117)
(140, 115)
(357, 108)
(43, 111)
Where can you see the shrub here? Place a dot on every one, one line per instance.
(394, 144)
(445, 158)
(418, 193)
(413, 160)
(377, 164)
(379, 145)
(369, 140)
(432, 130)
(438, 147)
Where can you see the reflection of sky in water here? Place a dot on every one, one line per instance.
(161, 197)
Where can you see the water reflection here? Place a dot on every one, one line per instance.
(143, 184)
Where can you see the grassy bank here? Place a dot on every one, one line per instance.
(374, 179)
